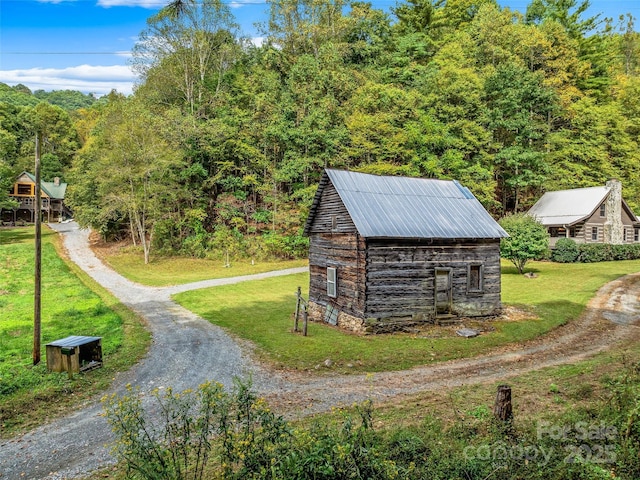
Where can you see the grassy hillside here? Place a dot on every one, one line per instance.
(72, 304)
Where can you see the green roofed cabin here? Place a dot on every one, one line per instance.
(390, 252)
(24, 192)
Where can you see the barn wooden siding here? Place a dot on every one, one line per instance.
(346, 252)
(386, 281)
(335, 243)
(401, 278)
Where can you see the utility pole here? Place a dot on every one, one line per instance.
(38, 261)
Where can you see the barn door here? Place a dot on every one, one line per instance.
(443, 291)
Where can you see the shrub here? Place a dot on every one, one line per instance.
(285, 246)
(235, 428)
(566, 251)
(602, 252)
(235, 435)
(528, 239)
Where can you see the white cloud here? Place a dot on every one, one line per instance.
(98, 80)
(131, 3)
(242, 3)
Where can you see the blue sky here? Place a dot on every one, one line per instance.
(84, 44)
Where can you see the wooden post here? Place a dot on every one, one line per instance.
(295, 322)
(69, 370)
(304, 320)
(38, 262)
(502, 408)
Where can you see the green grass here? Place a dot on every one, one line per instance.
(72, 304)
(262, 311)
(163, 271)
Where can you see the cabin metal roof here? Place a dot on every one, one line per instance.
(49, 188)
(403, 207)
(568, 207)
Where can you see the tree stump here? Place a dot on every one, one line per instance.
(502, 409)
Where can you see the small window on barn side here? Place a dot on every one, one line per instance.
(594, 233)
(332, 282)
(334, 223)
(474, 278)
(603, 210)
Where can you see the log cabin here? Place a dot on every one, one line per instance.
(387, 253)
(23, 191)
(588, 215)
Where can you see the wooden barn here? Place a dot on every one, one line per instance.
(389, 252)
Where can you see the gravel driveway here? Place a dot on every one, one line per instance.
(187, 350)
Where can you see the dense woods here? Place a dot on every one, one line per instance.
(221, 146)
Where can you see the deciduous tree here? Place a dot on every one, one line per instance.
(528, 240)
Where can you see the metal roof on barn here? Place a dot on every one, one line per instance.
(403, 207)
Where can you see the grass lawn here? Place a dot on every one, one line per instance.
(72, 304)
(262, 311)
(163, 271)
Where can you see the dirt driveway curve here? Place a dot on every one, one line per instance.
(187, 350)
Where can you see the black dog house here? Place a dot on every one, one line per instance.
(84, 353)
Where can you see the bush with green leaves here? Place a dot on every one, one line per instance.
(622, 410)
(212, 433)
(352, 451)
(604, 252)
(235, 429)
(565, 251)
(528, 240)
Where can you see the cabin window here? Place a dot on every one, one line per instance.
(636, 234)
(594, 233)
(603, 210)
(332, 282)
(624, 234)
(334, 223)
(474, 278)
(572, 232)
(557, 232)
(24, 189)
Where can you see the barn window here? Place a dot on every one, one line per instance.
(334, 223)
(603, 210)
(594, 233)
(332, 282)
(474, 278)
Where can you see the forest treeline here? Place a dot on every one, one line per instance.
(220, 148)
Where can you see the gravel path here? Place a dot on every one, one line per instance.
(187, 350)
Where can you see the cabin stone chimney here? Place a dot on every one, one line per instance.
(613, 227)
(56, 181)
